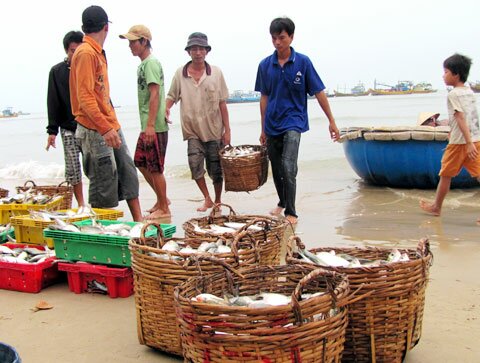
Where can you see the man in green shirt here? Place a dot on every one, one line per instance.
(153, 139)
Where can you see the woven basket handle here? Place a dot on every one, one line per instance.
(423, 247)
(66, 182)
(29, 181)
(294, 243)
(196, 259)
(265, 221)
(297, 293)
(211, 216)
(160, 238)
(238, 237)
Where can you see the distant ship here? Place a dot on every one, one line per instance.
(358, 90)
(8, 112)
(240, 96)
(401, 88)
(475, 87)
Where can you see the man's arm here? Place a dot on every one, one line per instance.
(53, 104)
(227, 137)
(263, 109)
(325, 105)
(153, 105)
(462, 124)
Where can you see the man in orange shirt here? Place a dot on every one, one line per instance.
(106, 160)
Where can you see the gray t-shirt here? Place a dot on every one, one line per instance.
(462, 99)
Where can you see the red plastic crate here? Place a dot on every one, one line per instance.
(28, 277)
(117, 280)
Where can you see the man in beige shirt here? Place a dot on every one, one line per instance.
(202, 92)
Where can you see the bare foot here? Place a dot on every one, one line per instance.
(158, 214)
(206, 205)
(292, 220)
(156, 206)
(429, 208)
(276, 211)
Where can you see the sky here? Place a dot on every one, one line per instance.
(348, 41)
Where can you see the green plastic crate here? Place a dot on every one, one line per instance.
(4, 234)
(96, 248)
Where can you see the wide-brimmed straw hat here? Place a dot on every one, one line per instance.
(425, 116)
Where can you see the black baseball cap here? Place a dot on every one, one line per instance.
(93, 16)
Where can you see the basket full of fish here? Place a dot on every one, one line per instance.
(288, 313)
(267, 231)
(27, 268)
(97, 241)
(245, 167)
(64, 189)
(159, 265)
(29, 227)
(22, 203)
(387, 322)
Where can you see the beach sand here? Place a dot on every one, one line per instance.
(335, 208)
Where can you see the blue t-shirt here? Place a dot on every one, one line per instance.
(287, 88)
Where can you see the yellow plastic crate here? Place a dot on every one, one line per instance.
(29, 230)
(11, 210)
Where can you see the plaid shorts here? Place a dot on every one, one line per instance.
(151, 156)
(200, 153)
(71, 151)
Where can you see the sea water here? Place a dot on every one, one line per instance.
(23, 154)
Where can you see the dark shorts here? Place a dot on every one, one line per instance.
(111, 172)
(151, 155)
(205, 153)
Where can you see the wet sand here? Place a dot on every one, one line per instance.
(335, 208)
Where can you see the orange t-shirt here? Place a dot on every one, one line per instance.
(89, 88)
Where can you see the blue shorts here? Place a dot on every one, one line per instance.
(111, 172)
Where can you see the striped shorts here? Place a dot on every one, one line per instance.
(73, 170)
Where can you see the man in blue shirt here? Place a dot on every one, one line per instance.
(285, 79)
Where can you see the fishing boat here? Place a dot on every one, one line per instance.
(423, 87)
(400, 157)
(401, 88)
(8, 113)
(240, 96)
(358, 90)
(475, 87)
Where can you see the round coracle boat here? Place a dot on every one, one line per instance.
(400, 156)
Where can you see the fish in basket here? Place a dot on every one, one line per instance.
(160, 265)
(64, 189)
(245, 167)
(288, 313)
(268, 231)
(387, 322)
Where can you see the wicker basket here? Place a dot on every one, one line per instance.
(244, 173)
(302, 331)
(155, 279)
(269, 238)
(388, 322)
(64, 189)
(3, 193)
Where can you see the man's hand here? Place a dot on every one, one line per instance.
(112, 139)
(150, 134)
(263, 138)
(472, 151)
(51, 141)
(167, 116)
(334, 133)
(227, 138)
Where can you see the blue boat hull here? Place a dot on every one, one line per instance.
(401, 164)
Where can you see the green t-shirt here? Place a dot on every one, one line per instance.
(150, 71)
